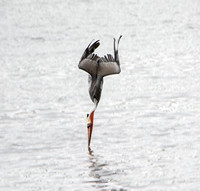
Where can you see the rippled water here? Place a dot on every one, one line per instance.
(146, 133)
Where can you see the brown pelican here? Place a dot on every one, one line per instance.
(97, 67)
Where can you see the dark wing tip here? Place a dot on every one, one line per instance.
(96, 44)
(93, 46)
(119, 38)
(90, 49)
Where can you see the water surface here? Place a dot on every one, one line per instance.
(146, 133)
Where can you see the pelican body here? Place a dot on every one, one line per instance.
(97, 68)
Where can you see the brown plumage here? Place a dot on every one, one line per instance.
(99, 67)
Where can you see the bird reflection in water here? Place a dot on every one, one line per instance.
(102, 177)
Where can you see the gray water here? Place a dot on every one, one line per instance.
(146, 130)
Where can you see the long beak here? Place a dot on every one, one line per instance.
(90, 119)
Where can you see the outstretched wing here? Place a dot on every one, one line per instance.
(95, 65)
(88, 60)
(89, 64)
(108, 65)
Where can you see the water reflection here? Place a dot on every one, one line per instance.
(102, 177)
(97, 172)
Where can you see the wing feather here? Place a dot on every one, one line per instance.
(108, 66)
(90, 49)
(103, 66)
(89, 64)
(88, 60)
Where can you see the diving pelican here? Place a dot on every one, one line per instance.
(98, 67)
